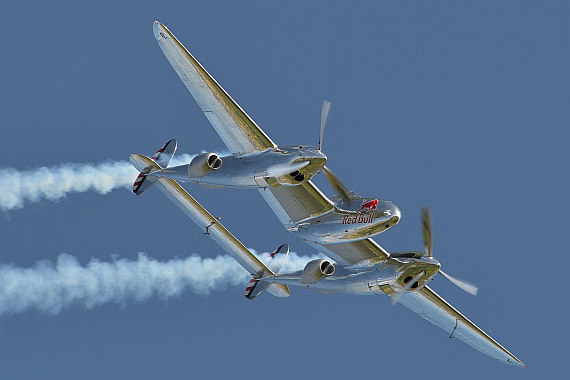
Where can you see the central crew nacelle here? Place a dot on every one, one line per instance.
(357, 221)
(282, 166)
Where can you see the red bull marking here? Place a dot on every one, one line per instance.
(368, 206)
(359, 218)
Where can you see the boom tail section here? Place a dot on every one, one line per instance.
(195, 211)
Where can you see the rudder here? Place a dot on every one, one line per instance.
(162, 159)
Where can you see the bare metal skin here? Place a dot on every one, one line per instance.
(340, 227)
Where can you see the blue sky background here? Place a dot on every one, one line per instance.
(459, 106)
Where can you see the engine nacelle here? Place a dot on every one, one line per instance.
(203, 163)
(316, 270)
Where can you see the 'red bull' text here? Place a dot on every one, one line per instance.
(359, 218)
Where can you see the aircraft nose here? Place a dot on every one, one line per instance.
(396, 211)
(390, 213)
(391, 210)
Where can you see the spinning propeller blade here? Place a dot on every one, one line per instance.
(427, 235)
(426, 230)
(324, 114)
(336, 183)
(461, 284)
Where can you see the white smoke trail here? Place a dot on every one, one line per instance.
(54, 183)
(51, 287)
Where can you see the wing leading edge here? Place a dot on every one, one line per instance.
(238, 131)
(430, 306)
(241, 134)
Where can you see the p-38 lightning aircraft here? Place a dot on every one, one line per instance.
(341, 227)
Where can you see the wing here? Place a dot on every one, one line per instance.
(215, 229)
(293, 204)
(237, 130)
(430, 306)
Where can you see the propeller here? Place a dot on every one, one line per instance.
(461, 284)
(427, 235)
(396, 296)
(335, 182)
(426, 229)
(324, 115)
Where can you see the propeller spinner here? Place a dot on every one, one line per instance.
(427, 236)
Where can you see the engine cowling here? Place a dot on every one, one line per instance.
(203, 163)
(316, 270)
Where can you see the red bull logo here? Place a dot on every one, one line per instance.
(368, 206)
(361, 214)
(358, 218)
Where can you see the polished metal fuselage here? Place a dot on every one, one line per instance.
(384, 277)
(269, 168)
(342, 225)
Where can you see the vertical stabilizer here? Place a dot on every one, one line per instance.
(162, 157)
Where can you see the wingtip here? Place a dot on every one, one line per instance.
(514, 361)
(157, 28)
